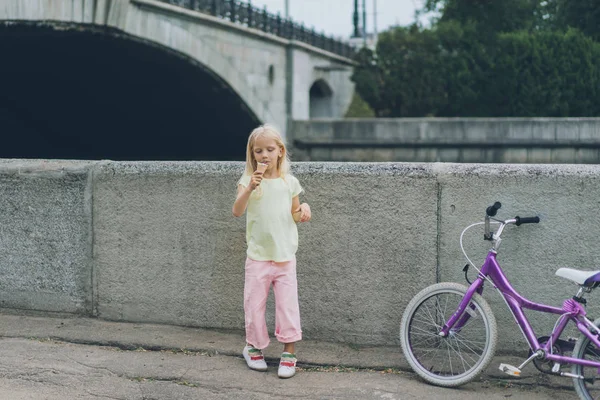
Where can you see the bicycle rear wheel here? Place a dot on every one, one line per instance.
(589, 387)
(458, 358)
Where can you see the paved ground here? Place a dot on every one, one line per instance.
(80, 358)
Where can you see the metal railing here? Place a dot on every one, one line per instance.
(246, 14)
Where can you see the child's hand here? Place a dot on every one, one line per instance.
(305, 214)
(255, 179)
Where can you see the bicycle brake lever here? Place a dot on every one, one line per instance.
(465, 270)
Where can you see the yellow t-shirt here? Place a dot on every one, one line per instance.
(271, 233)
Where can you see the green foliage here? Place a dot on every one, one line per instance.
(581, 14)
(465, 66)
(486, 58)
(547, 74)
(369, 80)
(490, 16)
(359, 108)
(410, 55)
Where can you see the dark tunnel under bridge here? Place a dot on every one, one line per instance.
(86, 92)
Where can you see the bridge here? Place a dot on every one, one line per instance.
(161, 80)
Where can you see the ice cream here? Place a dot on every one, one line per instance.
(261, 167)
(296, 216)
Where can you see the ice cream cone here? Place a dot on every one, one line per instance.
(261, 167)
(296, 216)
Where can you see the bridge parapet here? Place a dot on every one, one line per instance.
(472, 140)
(246, 14)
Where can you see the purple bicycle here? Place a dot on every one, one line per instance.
(448, 331)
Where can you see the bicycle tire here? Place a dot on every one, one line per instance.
(585, 349)
(458, 358)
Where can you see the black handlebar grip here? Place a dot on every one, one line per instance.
(493, 209)
(527, 220)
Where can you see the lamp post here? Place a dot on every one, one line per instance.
(364, 32)
(375, 19)
(287, 9)
(355, 19)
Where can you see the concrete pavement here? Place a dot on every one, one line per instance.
(63, 357)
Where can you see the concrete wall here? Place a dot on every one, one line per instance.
(46, 236)
(463, 140)
(156, 242)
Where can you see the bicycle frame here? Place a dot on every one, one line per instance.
(571, 311)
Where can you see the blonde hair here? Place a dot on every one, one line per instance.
(268, 131)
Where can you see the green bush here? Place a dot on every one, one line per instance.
(359, 108)
(546, 74)
(488, 58)
(448, 71)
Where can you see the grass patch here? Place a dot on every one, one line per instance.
(342, 369)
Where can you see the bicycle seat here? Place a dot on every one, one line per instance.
(584, 278)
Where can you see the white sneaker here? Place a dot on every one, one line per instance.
(287, 365)
(254, 358)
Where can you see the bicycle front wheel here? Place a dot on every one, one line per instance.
(460, 356)
(587, 388)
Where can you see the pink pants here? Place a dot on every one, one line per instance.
(259, 277)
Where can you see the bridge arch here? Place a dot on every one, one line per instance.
(268, 75)
(321, 100)
(86, 92)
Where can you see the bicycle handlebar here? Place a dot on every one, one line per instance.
(493, 209)
(527, 220)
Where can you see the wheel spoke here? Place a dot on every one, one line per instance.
(462, 354)
(587, 388)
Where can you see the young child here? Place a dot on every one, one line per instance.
(271, 202)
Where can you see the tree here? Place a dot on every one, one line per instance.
(478, 61)
(488, 16)
(550, 74)
(368, 79)
(409, 59)
(419, 72)
(465, 64)
(581, 14)
(359, 108)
